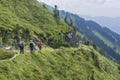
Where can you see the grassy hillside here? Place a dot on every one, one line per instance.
(60, 64)
(28, 18)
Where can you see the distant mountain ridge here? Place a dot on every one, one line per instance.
(112, 23)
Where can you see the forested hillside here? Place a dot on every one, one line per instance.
(104, 38)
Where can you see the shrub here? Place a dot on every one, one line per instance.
(6, 54)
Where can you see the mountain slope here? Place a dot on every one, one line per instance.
(26, 19)
(81, 63)
(23, 19)
(103, 37)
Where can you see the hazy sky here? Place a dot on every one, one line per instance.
(109, 8)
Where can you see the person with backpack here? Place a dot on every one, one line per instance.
(40, 43)
(21, 47)
(31, 46)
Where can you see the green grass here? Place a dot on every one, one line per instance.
(30, 19)
(6, 54)
(59, 64)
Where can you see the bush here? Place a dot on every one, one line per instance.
(119, 67)
(6, 54)
(87, 42)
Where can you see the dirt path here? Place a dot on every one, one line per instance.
(10, 58)
(14, 56)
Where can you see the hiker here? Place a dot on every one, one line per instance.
(31, 46)
(0, 44)
(40, 43)
(21, 47)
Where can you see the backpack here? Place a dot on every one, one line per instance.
(40, 43)
(21, 45)
(31, 45)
